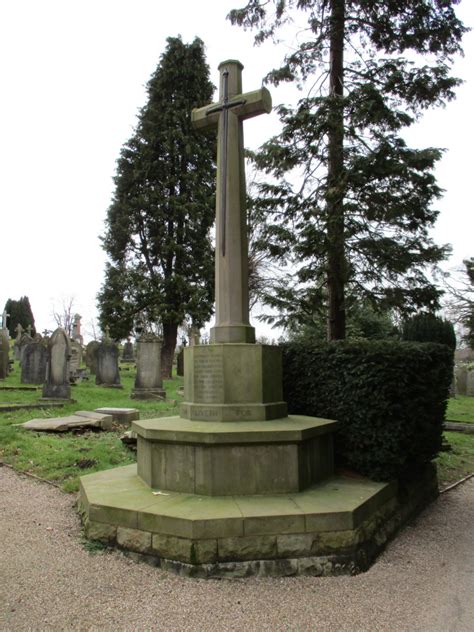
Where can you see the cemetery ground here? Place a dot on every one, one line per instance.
(62, 458)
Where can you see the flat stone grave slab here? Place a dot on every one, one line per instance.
(459, 426)
(123, 416)
(80, 419)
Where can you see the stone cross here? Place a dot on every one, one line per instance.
(28, 330)
(19, 331)
(4, 319)
(232, 302)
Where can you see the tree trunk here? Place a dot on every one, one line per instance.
(336, 271)
(170, 332)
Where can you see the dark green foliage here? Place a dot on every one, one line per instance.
(20, 314)
(390, 398)
(346, 199)
(429, 328)
(157, 235)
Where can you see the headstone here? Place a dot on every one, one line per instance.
(123, 416)
(4, 353)
(79, 419)
(148, 381)
(57, 370)
(464, 355)
(128, 354)
(180, 363)
(25, 339)
(33, 367)
(91, 355)
(470, 382)
(107, 368)
(460, 374)
(5, 318)
(76, 359)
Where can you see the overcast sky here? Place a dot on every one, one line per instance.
(73, 79)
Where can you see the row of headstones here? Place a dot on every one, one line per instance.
(50, 364)
(464, 380)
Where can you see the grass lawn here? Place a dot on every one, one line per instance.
(461, 408)
(63, 457)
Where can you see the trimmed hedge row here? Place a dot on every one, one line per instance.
(389, 396)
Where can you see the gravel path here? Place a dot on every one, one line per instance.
(48, 581)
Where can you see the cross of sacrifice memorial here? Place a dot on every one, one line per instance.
(235, 485)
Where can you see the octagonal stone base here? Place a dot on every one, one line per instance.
(337, 526)
(221, 459)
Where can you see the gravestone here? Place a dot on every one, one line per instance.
(25, 340)
(470, 382)
(460, 378)
(128, 353)
(180, 363)
(76, 359)
(33, 367)
(148, 381)
(57, 385)
(91, 356)
(107, 367)
(4, 353)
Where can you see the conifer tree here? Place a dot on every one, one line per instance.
(347, 197)
(157, 236)
(20, 314)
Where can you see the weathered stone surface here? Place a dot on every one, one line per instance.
(123, 416)
(238, 382)
(107, 369)
(184, 549)
(91, 355)
(247, 548)
(295, 544)
(33, 366)
(102, 532)
(80, 419)
(57, 371)
(134, 539)
(222, 459)
(148, 380)
(128, 354)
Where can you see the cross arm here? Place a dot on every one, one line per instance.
(246, 106)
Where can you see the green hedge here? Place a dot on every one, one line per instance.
(389, 396)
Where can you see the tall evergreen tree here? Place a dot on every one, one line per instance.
(20, 314)
(157, 236)
(348, 197)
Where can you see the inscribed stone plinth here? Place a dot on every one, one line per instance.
(91, 355)
(57, 368)
(4, 353)
(148, 381)
(33, 367)
(128, 353)
(107, 369)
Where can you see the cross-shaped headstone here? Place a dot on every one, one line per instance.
(4, 319)
(28, 330)
(19, 331)
(232, 301)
